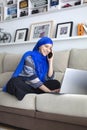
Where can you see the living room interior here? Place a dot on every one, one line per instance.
(22, 23)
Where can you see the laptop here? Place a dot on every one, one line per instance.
(74, 82)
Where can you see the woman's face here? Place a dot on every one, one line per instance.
(45, 49)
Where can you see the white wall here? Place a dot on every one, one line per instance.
(77, 15)
(58, 45)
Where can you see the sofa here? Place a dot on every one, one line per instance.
(45, 111)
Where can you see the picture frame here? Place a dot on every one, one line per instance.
(12, 11)
(21, 35)
(64, 29)
(54, 2)
(23, 4)
(38, 30)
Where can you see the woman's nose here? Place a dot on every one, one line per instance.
(49, 50)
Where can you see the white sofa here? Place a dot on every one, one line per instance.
(45, 111)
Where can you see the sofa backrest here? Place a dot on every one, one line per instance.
(74, 58)
(8, 63)
(60, 63)
(78, 59)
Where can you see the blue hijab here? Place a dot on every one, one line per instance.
(40, 61)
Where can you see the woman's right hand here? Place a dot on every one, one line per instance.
(55, 91)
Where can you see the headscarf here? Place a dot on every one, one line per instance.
(40, 61)
(42, 41)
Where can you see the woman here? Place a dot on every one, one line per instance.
(34, 74)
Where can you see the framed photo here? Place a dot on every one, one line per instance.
(54, 2)
(21, 35)
(38, 30)
(23, 4)
(64, 29)
(12, 11)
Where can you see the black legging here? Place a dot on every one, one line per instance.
(17, 87)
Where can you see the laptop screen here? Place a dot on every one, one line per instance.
(74, 82)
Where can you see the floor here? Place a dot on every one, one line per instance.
(7, 127)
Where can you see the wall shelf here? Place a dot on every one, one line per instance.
(54, 40)
(71, 38)
(58, 16)
(44, 13)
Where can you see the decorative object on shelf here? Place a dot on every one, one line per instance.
(39, 10)
(9, 2)
(38, 30)
(24, 13)
(64, 29)
(23, 4)
(77, 3)
(70, 3)
(5, 37)
(80, 30)
(21, 35)
(66, 5)
(35, 11)
(84, 1)
(85, 28)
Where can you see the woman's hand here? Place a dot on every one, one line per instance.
(55, 90)
(50, 62)
(50, 57)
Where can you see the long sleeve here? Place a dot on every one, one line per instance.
(29, 74)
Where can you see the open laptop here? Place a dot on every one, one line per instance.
(74, 82)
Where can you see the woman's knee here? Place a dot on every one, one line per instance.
(53, 84)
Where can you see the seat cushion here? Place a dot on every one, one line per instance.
(4, 77)
(65, 104)
(8, 100)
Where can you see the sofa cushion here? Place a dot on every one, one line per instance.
(65, 104)
(61, 60)
(1, 61)
(60, 63)
(8, 100)
(78, 59)
(59, 76)
(11, 61)
(4, 77)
